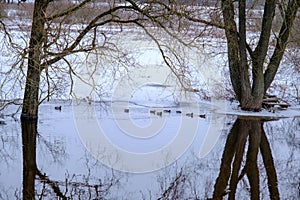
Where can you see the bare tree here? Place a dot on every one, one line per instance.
(57, 32)
(253, 64)
(55, 35)
(242, 58)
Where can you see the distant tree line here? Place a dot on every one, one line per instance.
(250, 3)
(188, 2)
(252, 66)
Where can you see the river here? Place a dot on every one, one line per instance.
(59, 157)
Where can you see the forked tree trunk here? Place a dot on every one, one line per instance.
(245, 141)
(250, 93)
(37, 38)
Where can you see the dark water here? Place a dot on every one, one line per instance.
(255, 158)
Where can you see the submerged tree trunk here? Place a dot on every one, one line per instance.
(37, 38)
(250, 93)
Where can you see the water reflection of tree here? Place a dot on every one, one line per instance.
(232, 170)
(36, 184)
(29, 132)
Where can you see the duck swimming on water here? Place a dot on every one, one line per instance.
(190, 114)
(57, 107)
(152, 111)
(159, 113)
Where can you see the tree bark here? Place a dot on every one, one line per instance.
(232, 46)
(37, 38)
(246, 98)
(260, 53)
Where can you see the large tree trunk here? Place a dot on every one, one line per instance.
(251, 96)
(37, 38)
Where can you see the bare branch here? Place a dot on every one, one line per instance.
(71, 49)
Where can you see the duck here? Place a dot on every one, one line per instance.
(167, 111)
(178, 111)
(126, 110)
(152, 111)
(57, 107)
(88, 100)
(202, 116)
(190, 114)
(159, 113)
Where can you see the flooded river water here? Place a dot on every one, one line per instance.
(59, 157)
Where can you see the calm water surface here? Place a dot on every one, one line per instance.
(253, 157)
